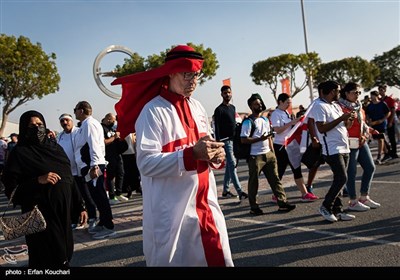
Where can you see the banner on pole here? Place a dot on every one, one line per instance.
(226, 82)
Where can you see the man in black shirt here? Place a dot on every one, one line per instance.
(225, 124)
(115, 168)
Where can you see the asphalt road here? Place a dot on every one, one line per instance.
(301, 238)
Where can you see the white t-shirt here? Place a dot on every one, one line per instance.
(336, 140)
(280, 118)
(261, 126)
(66, 140)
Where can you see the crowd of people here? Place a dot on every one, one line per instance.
(164, 148)
(65, 176)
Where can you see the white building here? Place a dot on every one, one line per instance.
(11, 127)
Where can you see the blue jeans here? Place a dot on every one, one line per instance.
(230, 169)
(364, 157)
(338, 165)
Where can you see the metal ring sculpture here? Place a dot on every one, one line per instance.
(97, 69)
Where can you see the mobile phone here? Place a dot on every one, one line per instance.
(271, 134)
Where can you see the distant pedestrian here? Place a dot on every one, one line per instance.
(225, 124)
(391, 130)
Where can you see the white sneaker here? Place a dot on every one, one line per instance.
(370, 203)
(327, 214)
(122, 198)
(358, 206)
(345, 217)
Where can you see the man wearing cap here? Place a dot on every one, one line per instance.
(183, 224)
(262, 156)
(66, 140)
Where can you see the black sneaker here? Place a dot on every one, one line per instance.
(256, 212)
(286, 207)
(242, 196)
(386, 157)
(228, 195)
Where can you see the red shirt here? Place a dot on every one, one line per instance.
(355, 129)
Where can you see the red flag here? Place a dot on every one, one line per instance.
(285, 85)
(286, 89)
(226, 82)
(296, 133)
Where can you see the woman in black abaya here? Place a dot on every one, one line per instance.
(41, 170)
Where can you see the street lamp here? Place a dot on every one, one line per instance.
(310, 81)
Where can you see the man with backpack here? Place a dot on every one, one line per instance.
(225, 123)
(262, 156)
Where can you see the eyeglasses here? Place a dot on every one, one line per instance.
(356, 92)
(75, 109)
(188, 76)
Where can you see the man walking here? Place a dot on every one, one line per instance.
(332, 125)
(225, 123)
(262, 156)
(90, 159)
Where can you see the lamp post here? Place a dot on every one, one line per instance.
(310, 81)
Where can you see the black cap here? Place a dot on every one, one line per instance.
(253, 97)
(13, 134)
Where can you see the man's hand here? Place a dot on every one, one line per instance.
(209, 150)
(94, 172)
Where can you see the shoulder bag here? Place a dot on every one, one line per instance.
(22, 224)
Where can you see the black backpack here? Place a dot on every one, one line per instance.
(241, 150)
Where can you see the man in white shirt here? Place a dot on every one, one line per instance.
(66, 140)
(262, 157)
(90, 159)
(331, 124)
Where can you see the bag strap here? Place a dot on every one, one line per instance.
(9, 202)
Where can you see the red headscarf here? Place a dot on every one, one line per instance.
(140, 88)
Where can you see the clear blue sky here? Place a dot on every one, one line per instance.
(239, 32)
